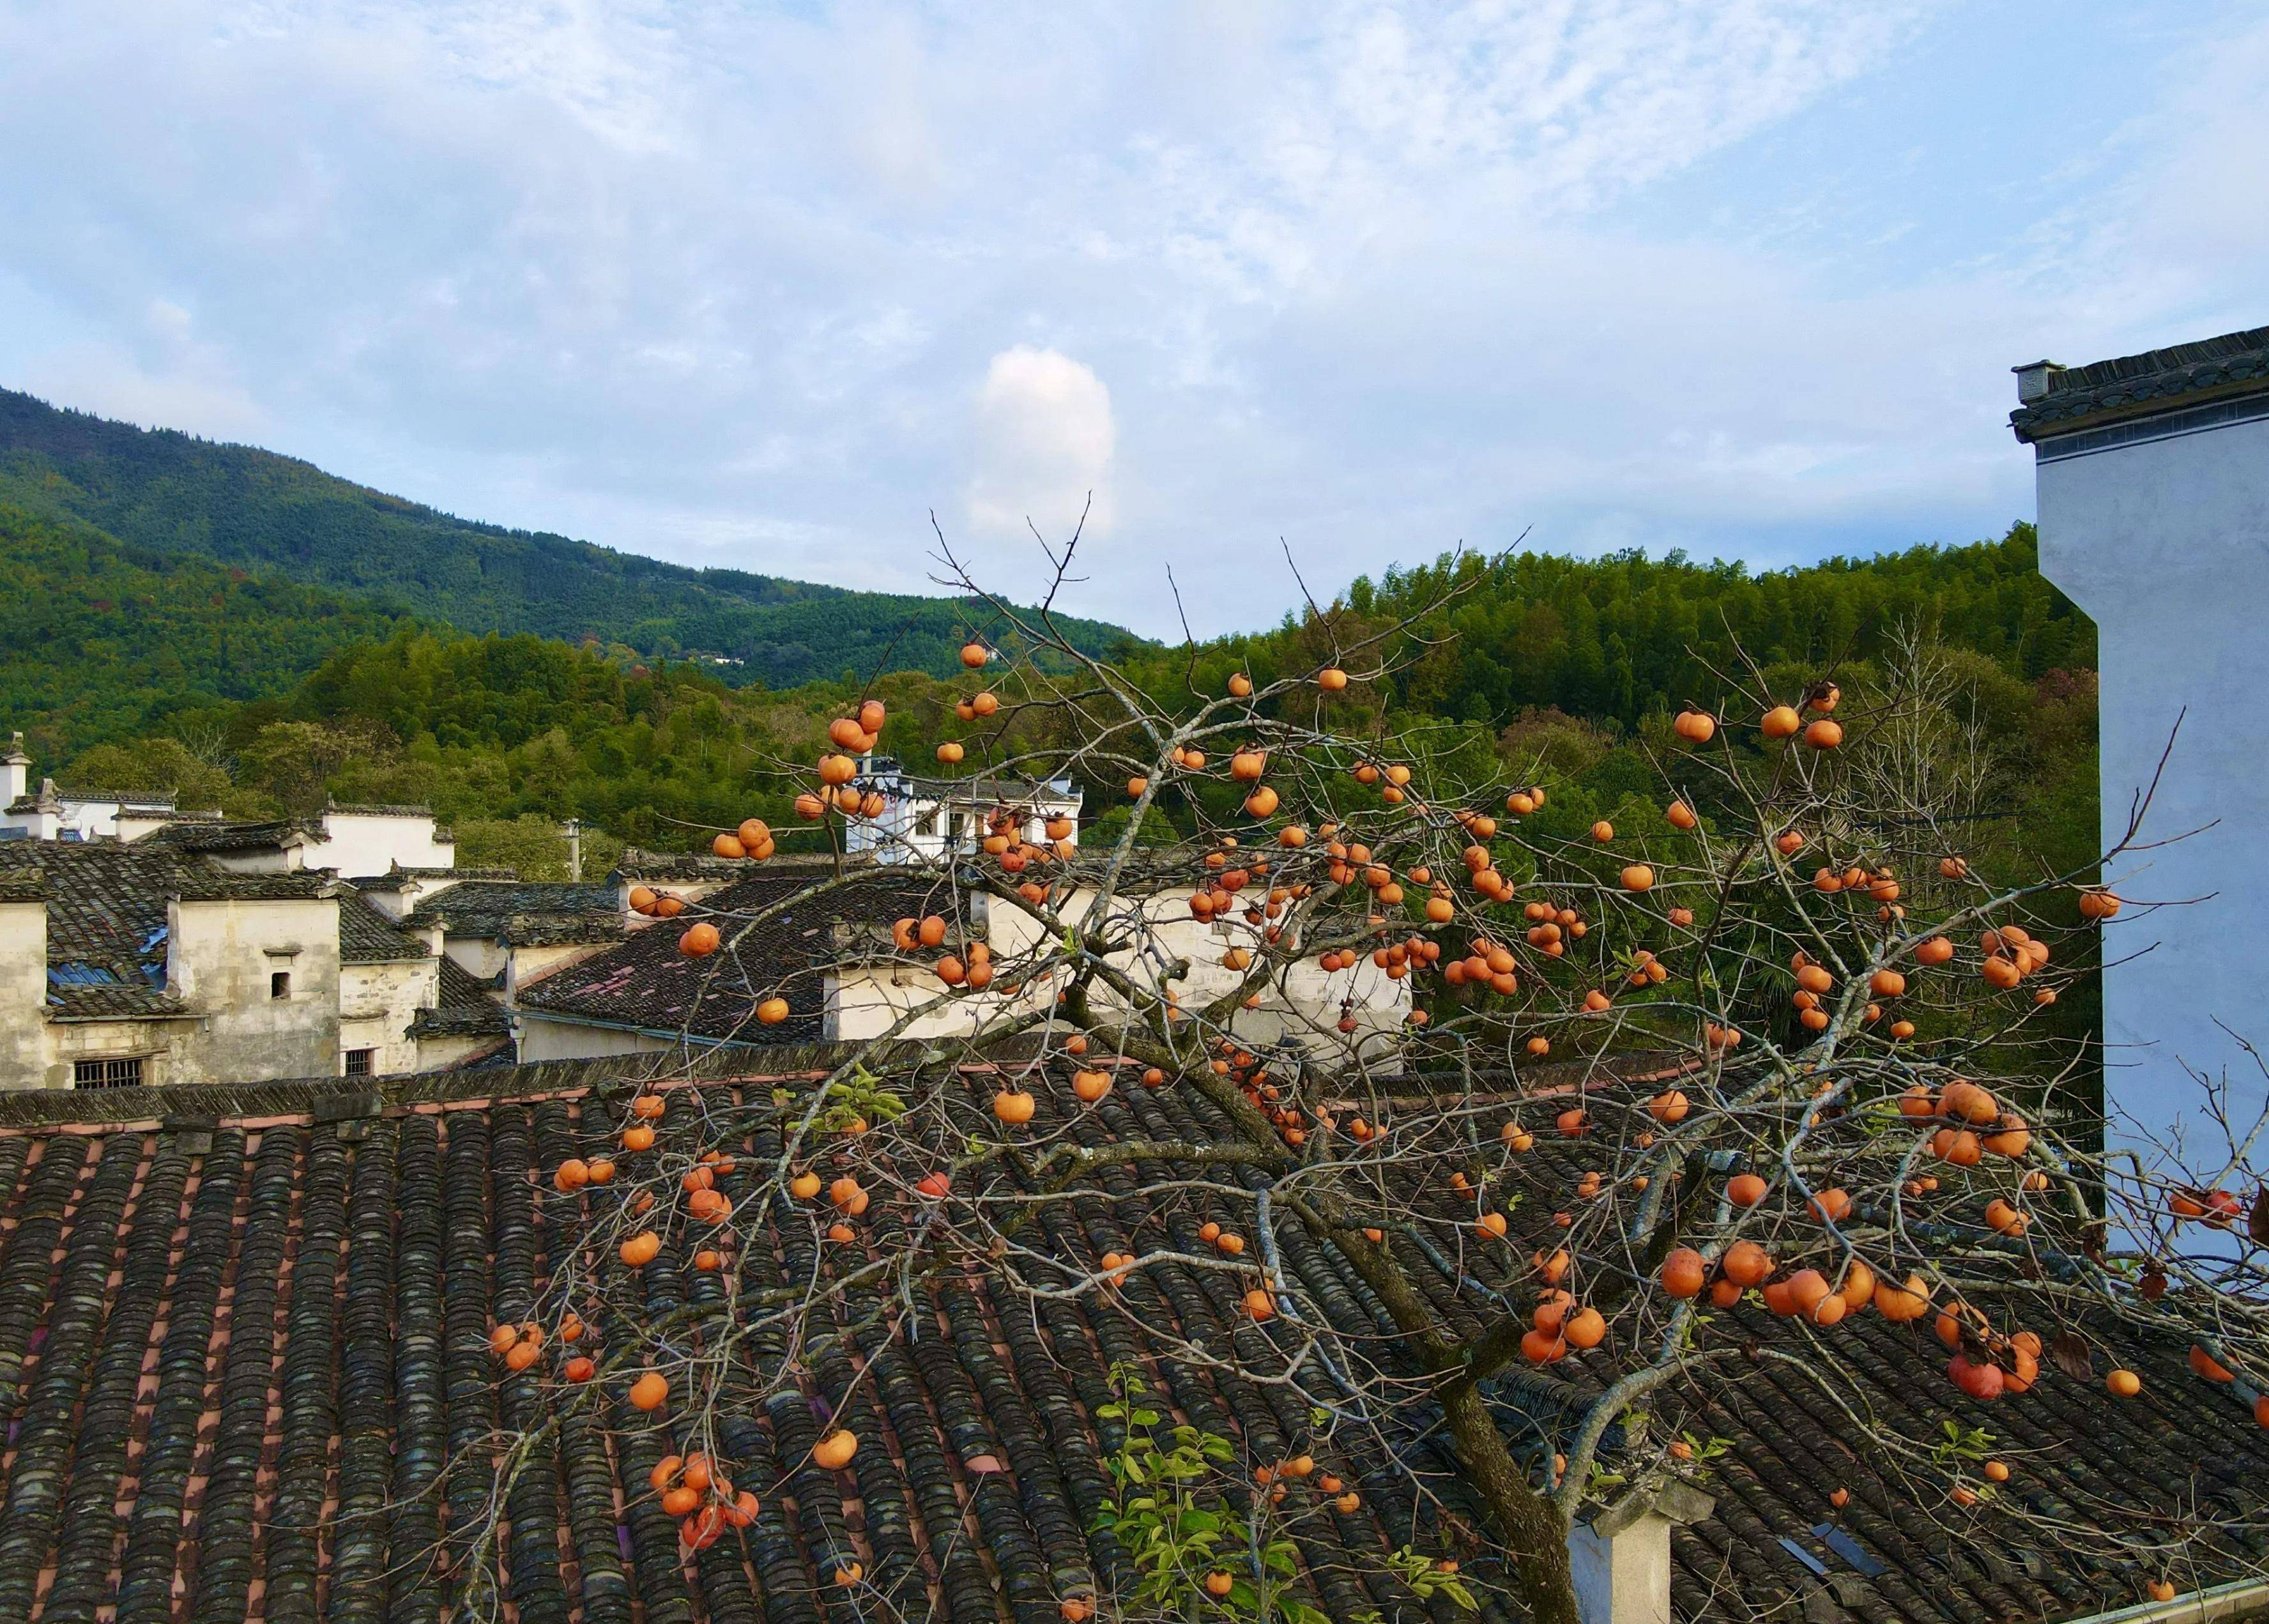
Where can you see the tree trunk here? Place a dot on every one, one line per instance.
(1527, 1521)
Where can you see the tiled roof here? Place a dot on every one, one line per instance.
(368, 937)
(397, 873)
(166, 1462)
(106, 903)
(379, 811)
(118, 1002)
(648, 983)
(202, 882)
(465, 1010)
(124, 797)
(201, 836)
(640, 865)
(530, 915)
(2130, 385)
(107, 924)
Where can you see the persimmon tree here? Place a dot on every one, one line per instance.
(1413, 1014)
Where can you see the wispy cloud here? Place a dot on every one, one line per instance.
(768, 285)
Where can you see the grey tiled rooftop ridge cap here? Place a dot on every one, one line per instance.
(2156, 380)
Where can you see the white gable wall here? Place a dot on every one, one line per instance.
(370, 843)
(2165, 543)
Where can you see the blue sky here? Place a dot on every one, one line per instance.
(765, 286)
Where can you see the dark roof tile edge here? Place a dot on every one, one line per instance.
(2155, 380)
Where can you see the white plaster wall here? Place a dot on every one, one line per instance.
(2165, 544)
(440, 1053)
(260, 860)
(542, 1039)
(367, 843)
(896, 837)
(218, 959)
(484, 956)
(88, 820)
(1625, 1578)
(168, 1048)
(865, 1001)
(530, 965)
(23, 994)
(377, 1003)
(396, 900)
(36, 825)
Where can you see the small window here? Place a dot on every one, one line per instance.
(279, 983)
(359, 1062)
(123, 1073)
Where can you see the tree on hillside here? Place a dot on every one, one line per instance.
(1750, 1080)
(152, 764)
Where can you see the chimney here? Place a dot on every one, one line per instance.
(15, 772)
(1621, 1559)
(2033, 380)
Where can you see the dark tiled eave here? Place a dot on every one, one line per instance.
(2178, 378)
(291, 1438)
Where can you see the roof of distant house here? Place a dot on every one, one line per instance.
(647, 983)
(527, 915)
(108, 923)
(50, 798)
(377, 810)
(265, 834)
(976, 1493)
(2132, 386)
(368, 937)
(635, 864)
(465, 1008)
(105, 906)
(395, 874)
(121, 1002)
(161, 798)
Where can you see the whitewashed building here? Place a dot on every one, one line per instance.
(51, 814)
(824, 945)
(923, 818)
(2153, 473)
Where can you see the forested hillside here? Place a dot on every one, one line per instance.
(1570, 662)
(1544, 670)
(1618, 637)
(237, 504)
(101, 641)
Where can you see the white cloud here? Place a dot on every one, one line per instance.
(1044, 443)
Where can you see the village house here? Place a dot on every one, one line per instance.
(346, 840)
(2153, 473)
(925, 818)
(508, 933)
(53, 813)
(140, 945)
(825, 946)
(147, 965)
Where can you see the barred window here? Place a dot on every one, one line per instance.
(359, 1062)
(122, 1072)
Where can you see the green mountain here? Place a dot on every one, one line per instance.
(170, 492)
(100, 640)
